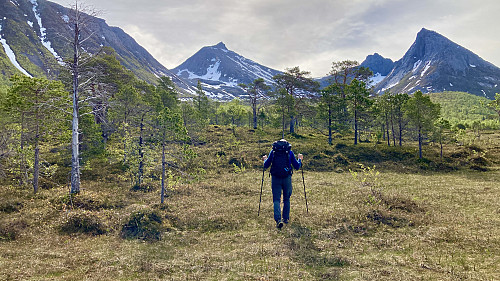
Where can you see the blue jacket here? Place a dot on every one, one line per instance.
(296, 164)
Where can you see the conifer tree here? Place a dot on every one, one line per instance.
(298, 85)
(358, 98)
(422, 113)
(39, 103)
(256, 91)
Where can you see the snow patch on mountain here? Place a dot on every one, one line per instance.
(416, 65)
(212, 73)
(11, 55)
(390, 86)
(253, 68)
(427, 65)
(43, 33)
(377, 78)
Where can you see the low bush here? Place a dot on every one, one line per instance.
(82, 222)
(143, 187)
(10, 207)
(11, 231)
(144, 225)
(89, 201)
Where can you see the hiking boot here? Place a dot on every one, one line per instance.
(279, 224)
(286, 221)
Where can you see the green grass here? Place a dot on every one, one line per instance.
(404, 223)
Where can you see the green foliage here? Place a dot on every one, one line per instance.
(464, 108)
(239, 169)
(232, 113)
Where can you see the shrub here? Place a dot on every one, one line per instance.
(89, 201)
(143, 187)
(82, 222)
(10, 231)
(144, 224)
(10, 207)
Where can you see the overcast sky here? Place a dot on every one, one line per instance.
(306, 33)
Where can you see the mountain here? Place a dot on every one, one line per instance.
(379, 65)
(34, 34)
(435, 64)
(220, 70)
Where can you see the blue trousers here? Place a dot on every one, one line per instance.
(279, 185)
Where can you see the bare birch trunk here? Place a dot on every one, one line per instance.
(75, 155)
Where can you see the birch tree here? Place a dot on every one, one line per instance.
(81, 22)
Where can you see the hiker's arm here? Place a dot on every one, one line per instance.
(268, 160)
(296, 163)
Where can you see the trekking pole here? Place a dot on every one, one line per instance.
(303, 182)
(261, 186)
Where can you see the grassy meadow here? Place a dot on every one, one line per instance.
(394, 218)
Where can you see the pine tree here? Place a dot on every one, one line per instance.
(39, 103)
(358, 99)
(256, 91)
(422, 113)
(297, 85)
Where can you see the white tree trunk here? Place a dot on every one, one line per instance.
(75, 155)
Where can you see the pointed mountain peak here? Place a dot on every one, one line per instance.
(429, 35)
(221, 46)
(424, 31)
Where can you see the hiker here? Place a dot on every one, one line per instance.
(281, 159)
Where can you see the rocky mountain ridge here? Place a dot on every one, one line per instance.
(35, 33)
(435, 64)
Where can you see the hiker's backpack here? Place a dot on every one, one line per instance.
(281, 166)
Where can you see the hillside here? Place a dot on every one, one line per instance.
(35, 36)
(464, 108)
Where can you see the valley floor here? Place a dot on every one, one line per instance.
(390, 226)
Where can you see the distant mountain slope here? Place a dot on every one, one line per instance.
(36, 30)
(435, 64)
(465, 108)
(221, 70)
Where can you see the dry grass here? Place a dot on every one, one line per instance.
(451, 231)
(397, 225)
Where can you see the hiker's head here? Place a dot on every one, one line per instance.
(283, 140)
